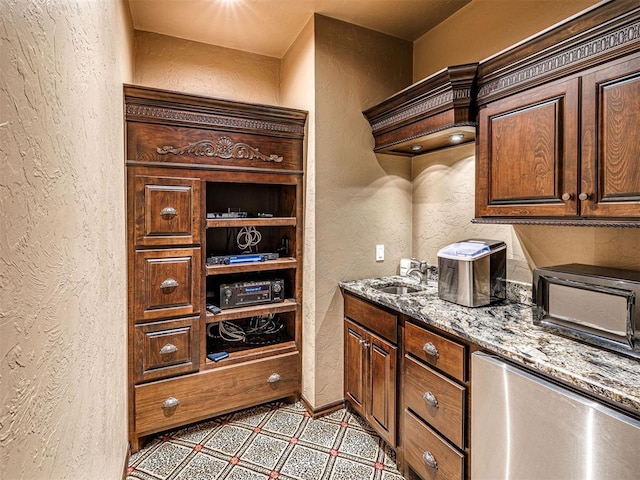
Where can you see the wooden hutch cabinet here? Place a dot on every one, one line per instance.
(209, 182)
(558, 120)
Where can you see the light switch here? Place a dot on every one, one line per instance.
(379, 253)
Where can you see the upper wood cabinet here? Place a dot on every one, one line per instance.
(435, 113)
(558, 118)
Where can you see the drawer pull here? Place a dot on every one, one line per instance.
(273, 378)
(431, 350)
(431, 399)
(168, 348)
(430, 460)
(168, 213)
(169, 283)
(170, 402)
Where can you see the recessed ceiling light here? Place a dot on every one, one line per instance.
(456, 137)
(416, 148)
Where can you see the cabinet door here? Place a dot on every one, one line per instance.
(527, 153)
(355, 371)
(382, 378)
(611, 141)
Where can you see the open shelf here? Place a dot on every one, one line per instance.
(251, 222)
(279, 264)
(240, 356)
(288, 305)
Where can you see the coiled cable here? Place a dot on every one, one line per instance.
(247, 238)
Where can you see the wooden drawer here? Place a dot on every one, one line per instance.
(212, 392)
(378, 321)
(423, 446)
(166, 348)
(167, 283)
(440, 352)
(167, 211)
(436, 399)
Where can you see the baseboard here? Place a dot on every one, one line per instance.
(323, 410)
(127, 457)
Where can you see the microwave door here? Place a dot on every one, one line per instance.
(604, 311)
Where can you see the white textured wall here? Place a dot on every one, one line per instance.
(444, 181)
(298, 91)
(191, 67)
(63, 353)
(361, 199)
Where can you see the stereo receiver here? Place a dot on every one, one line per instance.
(243, 294)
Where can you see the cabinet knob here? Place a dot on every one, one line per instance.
(431, 350)
(170, 402)
(169, 283)
(273, 378)
(584, 196)
(431, 399)
(168, 348)
(430, 460)
(168, 213)
(567, 196)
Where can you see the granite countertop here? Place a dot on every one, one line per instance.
(507, 329)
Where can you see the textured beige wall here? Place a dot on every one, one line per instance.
(63, 351)
(443, 182)
(483, 28)
(361, 200)
(443, 206)
(191, 67)
(298, 91)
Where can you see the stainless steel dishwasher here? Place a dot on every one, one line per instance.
(526, 427)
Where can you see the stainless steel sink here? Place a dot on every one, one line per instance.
(397, 289)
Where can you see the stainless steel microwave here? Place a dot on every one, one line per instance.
(597, 305)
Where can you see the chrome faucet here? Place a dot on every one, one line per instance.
(418, 269)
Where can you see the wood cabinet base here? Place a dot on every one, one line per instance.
(182, 400)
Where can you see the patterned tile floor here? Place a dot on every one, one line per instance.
(275, 440)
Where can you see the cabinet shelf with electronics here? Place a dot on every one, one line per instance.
(251, 269)
(214, 206)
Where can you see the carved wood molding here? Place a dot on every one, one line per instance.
(585, 222)
(568, 55)
(423, 107)
(213, 120)
(224, 148)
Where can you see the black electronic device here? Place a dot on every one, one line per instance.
(229, 214)
(243, 294)
(242, 258)
(213, 308)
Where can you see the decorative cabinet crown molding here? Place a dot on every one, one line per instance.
(603, 33)
(163, 106)
(423, 116)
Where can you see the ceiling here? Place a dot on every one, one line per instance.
(269, 27)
